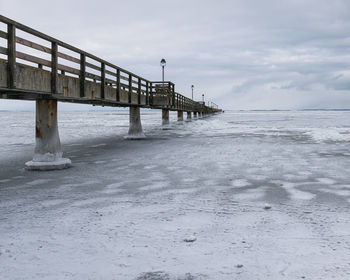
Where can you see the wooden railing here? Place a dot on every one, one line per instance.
(87, 67)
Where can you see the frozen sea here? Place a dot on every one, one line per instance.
(239, 195)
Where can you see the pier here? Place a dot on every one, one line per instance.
(69, 74)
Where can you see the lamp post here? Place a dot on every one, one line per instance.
(203, 98)
(163, 63)
(192, 87)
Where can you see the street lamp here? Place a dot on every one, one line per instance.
(203, 98)
(163, 63)
(192, 87)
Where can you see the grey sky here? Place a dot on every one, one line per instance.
(241, 54)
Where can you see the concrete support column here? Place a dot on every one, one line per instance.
(47, 153)
(180, 115)
(165, 117)
(135, 127)
(189, 116)
(200, 115)
(195, 115)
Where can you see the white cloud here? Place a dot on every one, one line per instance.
(242, 54)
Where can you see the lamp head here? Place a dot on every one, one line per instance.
(162, 62)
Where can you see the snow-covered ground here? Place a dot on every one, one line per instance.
(241, 195)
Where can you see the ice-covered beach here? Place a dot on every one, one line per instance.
(240, 195)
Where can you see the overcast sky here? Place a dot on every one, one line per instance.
(255, 54)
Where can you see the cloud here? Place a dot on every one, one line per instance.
(242, 54)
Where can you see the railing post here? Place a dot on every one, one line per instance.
(103, 80)
(147, 93)
(173, 95)
(82, 74)
(170, 95)
(54, 63)
(118, 86)
(130, 89)
(11, 55)
(139, 91)
(151, 94)
(177, 100)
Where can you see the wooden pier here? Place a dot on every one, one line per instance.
(60, 72)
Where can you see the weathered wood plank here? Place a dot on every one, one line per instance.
(82, 74)
(34, 59)
(124, 86)
(54, 66)
(68, 69)
(124, 78)
(93, 66)
(109, 81)
(3, 34)
(151, 94)
(92, 76)
(130, 89)
(147, 94)
(42, 48)
(139, 92)
(118, 86)
(173, 99)
(32, 45)
(110, 73)
(47, 63)
(103, 80)
(68, 57)
(3, 50)
(11, 56)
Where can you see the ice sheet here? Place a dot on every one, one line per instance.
(126, 208)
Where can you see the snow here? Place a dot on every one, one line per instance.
(48, 162)
(135, 136)
(258, 195)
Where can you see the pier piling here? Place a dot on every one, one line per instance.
(135, 126)
(165, 117)
(180, 116)
(47, 153)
